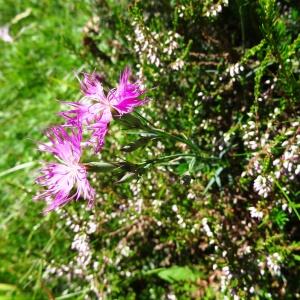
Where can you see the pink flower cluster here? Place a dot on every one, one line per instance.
(66, 179)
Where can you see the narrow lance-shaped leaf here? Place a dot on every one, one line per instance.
(176, 274)
(143, 141)
(131, 121)
(100, 166)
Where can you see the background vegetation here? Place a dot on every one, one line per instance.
(213, 213)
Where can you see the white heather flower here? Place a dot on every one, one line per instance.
(247, 250)
(231, 71)
(177, 65)
(263, 185)
(92, 227)
(96, 265)
(225, 278)
(80, 243)
(125, 251)
(174, 208)
(277, 174)
(255, 213)
(297, 170)
(4, 34)
(289, 163)
(273, 264)
(171, 296)
(251, 124)
(191, 195)
(206, 228)
(234, 70)
(156, 203)
(226, 270)
(257, 167)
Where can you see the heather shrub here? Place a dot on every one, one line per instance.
(189, 166)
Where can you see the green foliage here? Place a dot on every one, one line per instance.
(175, 274)
(197, 191)
(279, 217)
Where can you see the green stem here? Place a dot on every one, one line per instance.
(170, 157)
(291, 203)
(159, 159)
(242, 23)
(151, 128)
(143, 118)
(176, 138)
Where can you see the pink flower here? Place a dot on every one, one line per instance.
(126, 96)
(91, 85)
(99, 131)
(66, 179)
(122, 100)
(96, 110)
